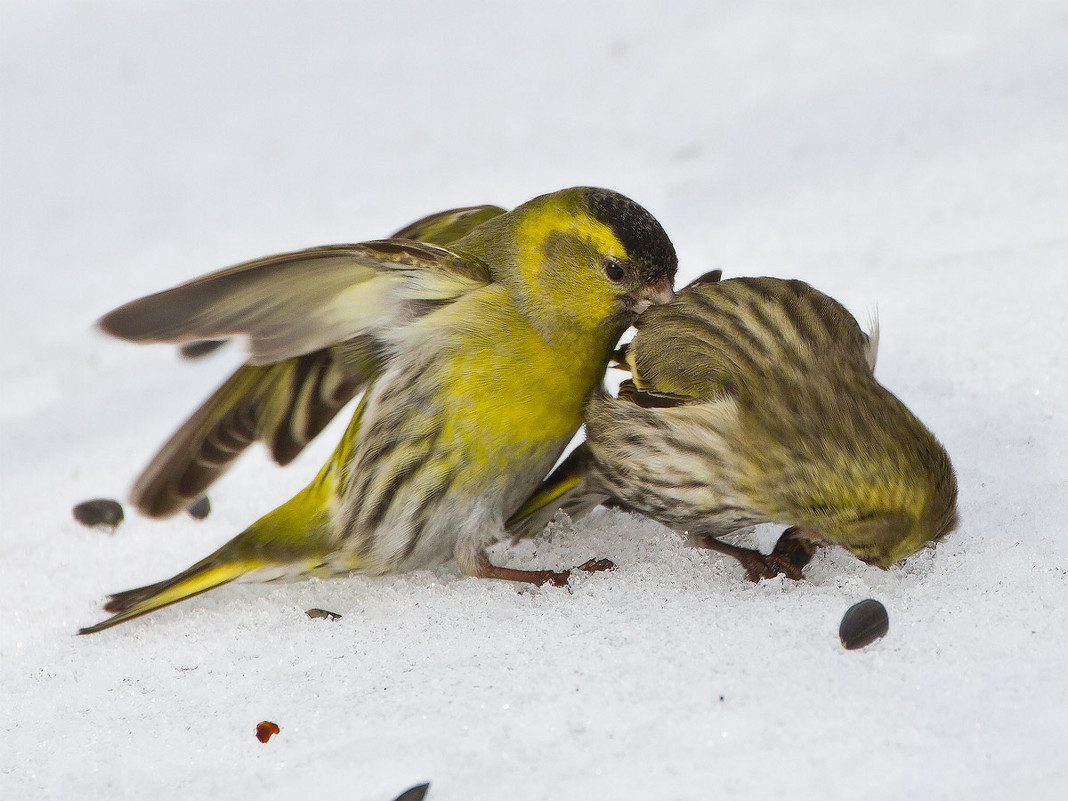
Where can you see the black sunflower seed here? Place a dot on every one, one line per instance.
(200, 508)
(863, 623)
(417, 793)
(99, 512)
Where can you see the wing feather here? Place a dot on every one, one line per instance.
(294, 303)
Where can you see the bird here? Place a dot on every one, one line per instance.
(479, 361)
(749, 401)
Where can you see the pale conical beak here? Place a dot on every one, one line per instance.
(655, 295)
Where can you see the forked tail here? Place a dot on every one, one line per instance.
(205, 575)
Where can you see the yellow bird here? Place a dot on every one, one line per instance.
(479, 360)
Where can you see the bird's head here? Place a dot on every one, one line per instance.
(580, 258)
(884, 494)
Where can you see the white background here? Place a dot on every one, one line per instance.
(906, 156)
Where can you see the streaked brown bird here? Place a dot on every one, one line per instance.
(754, 400)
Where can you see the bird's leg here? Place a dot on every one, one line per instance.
(477, 563)
(558, 578)
(787, 559)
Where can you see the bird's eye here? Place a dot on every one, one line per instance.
(614, 270)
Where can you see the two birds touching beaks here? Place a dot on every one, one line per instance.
(479, 340)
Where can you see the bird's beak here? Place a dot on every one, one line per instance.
(655, 295)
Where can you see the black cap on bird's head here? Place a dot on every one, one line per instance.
(644, 238)
(638, 257)
(581, 256)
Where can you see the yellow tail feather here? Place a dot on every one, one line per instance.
(293, 540)
(201, 577)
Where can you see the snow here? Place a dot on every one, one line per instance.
(906, 156)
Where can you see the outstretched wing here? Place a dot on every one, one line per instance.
(441, 228)
(295, 303)
(286, 404)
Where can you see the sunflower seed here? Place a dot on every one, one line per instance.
(416, 793)
(863, 623)
(200, 508)
(102, 512)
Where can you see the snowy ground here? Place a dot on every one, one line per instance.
(908, 155)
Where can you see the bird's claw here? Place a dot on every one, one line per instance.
(768, 567)
(559, 578)
(795, 547)
(791, 554)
